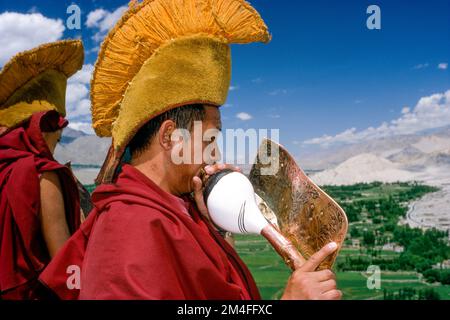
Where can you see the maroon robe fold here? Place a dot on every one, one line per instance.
(140, 242)
(24, 156)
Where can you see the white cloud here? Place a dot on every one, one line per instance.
(78, 103)
(443, 65)
(110, 19)
(278, 92)
(94, 17)
(33, 9)
(430, 112)
(84, 75)
(405, 110)
(244, 116)
(103, 20)
(79, 109)
(95, 49)
(21, 32)
(233, 88)
(421, 66)
(257, 80)
(82, 126)
(75, 92)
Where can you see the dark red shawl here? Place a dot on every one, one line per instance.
(24, 155)
(140, 242)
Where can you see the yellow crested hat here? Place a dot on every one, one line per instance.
(164, 54)
(35, 80)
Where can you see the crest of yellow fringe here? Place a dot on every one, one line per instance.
(150, 24)
(64, 56)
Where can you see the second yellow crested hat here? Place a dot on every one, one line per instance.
(163, 54)
(35, 80)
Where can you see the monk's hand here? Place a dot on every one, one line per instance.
(198, 185)
(307, 284)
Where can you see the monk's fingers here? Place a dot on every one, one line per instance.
(331, 295)
(324, 275)
(211, 169)
(198, 196)
(232, 167)
(328, 285)
(316, 259)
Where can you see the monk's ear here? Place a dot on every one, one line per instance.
(165, 134)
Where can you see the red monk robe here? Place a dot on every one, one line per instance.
(24, 156)
(141, 242)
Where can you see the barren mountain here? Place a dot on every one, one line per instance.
(85, 150)
(365, 167)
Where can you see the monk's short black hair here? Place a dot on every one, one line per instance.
(183, 116)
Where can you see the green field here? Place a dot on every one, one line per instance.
(271, 274)
(372, 209)
(267, 267)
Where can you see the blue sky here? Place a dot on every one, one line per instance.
(324, 72)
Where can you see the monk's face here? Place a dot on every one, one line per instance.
(52, 139)
(210, 127)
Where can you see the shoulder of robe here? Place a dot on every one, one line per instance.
(122, 214)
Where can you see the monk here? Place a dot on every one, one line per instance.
(151, 240)
(39, 202)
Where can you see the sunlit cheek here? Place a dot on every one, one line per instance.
(178, 152)
(52, 145)
(205, 154)
(217, 153)
(211, 152)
